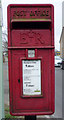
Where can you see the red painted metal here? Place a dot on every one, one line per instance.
(31, 27)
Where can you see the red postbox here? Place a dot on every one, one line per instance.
(31, 59)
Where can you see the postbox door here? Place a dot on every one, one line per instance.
(28, 102)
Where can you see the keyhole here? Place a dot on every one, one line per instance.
(18, 80)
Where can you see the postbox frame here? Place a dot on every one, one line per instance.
(45, 47)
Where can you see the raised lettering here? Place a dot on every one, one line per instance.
(47, 13)
(32, 13)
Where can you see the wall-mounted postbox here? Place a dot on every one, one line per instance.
(31, 59)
